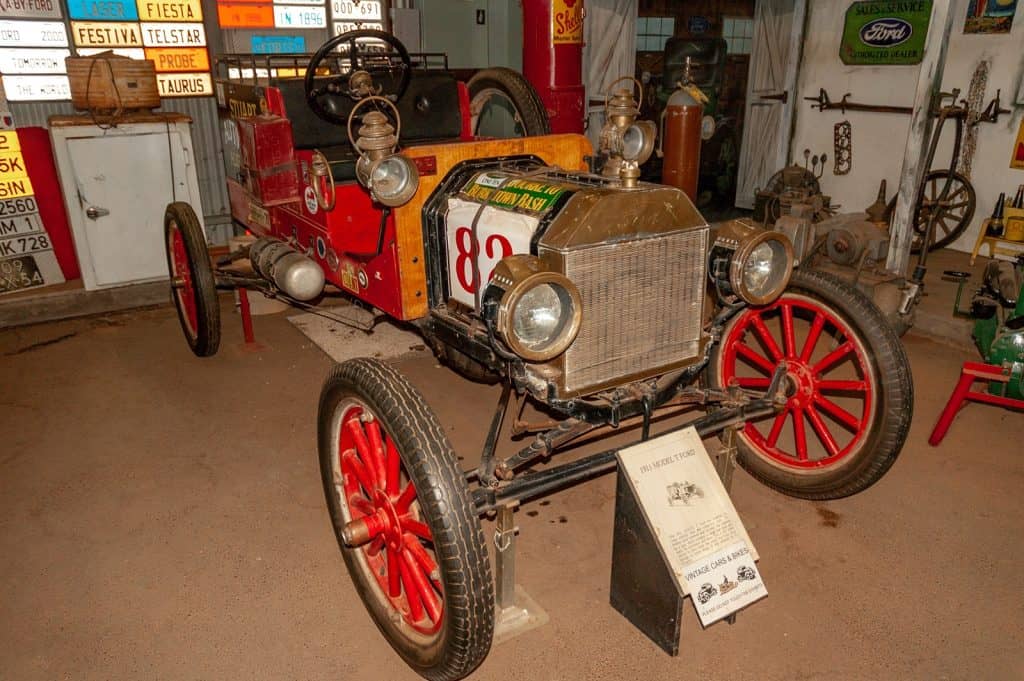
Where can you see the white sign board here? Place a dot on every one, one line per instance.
(701, 537)
(29, 88)
(29, 61)
(294, 16)
(130, 52)
(161, 34)
(32, 34)
(499, 234)
(348, 10)
(346, 26)
(30, 9)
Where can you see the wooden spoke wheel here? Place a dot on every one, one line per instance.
(952, 216)
(848, 388)
(401, 510)
(193, 287)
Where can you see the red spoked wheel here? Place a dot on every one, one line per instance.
(193, 287)
(404, 519)
(847, 384)
(384, 520)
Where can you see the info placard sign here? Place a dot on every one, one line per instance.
(699, 534)
(885, 32)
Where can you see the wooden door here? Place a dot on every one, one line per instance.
(771, 94)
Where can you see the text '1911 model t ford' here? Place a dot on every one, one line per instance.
(531, 261)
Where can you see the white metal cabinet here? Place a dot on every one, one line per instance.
(116, 183)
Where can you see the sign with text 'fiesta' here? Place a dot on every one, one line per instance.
(891, 32)
(30, 9)
(170, 10)
(699, 534)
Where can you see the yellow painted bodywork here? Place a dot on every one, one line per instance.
(564, 151)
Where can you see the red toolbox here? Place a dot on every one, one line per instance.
(268, 159)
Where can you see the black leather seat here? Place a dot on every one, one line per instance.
(429, 110)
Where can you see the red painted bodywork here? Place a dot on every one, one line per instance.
(554, 70)
(38, 155)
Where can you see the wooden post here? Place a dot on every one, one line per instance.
(929, 82)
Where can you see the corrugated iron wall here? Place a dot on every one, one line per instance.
(205, 140)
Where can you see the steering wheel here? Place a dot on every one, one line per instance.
(364, 62)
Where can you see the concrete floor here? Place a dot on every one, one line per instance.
(161, 517)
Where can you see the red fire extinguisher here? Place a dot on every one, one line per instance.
(681, 136)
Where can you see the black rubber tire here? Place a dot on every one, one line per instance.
(893, 411)
(519, 91)
(955, 233)
(204, 340)
(445, 506)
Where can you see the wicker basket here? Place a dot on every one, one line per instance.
(109, 82)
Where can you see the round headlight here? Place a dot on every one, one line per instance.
(393, 180)
(638, 141)
(540, 311)
(761, 268)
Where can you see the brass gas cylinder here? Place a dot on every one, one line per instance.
(681, 142)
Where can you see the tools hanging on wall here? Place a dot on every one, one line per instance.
(842, 142)
(824, 103)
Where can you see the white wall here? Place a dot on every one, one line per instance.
(878, 139)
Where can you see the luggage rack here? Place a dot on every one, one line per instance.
(263, 69)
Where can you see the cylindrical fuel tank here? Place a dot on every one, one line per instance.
(681, 144)
(291, 271)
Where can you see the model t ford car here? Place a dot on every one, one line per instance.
(532, 260)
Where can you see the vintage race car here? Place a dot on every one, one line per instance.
(528, 260)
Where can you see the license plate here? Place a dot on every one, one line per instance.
(33, 34)
(22, 245)
(15, 207)
(21, 225)
(20, 61)
(347, 10)
(19, 273)
(296, 16)
(346, 26)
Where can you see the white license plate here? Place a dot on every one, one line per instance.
(20, 226)
(346, 26)
(20, 61)
(347, 10)
(295, 16)
(20, 245)
(33, 34)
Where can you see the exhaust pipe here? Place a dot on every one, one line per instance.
(292, 272)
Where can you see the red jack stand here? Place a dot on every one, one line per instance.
(971, 372)
(246, 312)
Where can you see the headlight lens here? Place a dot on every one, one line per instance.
(539, 312)
(392, 180)
(539, 317)
(761, 268)
(638, 141)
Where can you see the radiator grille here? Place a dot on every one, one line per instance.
(641, 306)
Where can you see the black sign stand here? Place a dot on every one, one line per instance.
(643, 588)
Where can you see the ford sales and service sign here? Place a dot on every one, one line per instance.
(885, 32)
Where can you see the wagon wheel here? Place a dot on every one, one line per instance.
(402, 513)
(951, 219)
(849, 393)
(193, 287)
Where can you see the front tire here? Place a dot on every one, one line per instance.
(193, 287)
(390, 476)
(850, 390)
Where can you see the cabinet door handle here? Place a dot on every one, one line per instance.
(95, 212)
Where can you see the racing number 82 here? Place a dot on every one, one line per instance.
(470, 250)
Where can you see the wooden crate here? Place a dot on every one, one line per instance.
(110, 82)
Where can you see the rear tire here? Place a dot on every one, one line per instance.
(851, 397)
(517, 91)
(431, 531)
(193, 287)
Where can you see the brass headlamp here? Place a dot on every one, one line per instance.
(626, 142)
(391, 177)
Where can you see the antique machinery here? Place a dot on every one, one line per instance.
(682, 135)
(997, 309)
(553, 59)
